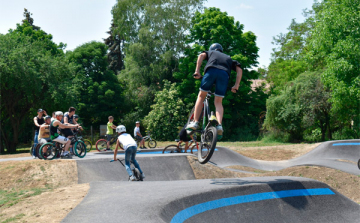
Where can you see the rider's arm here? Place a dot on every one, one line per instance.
(69, 126)
(238, 79)
(36, 122)
(44, 126)
(66, 120)
(200, 59)
(116, 148)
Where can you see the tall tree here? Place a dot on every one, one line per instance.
(154, 34)
(101, 93)
(115, 44)
(335, 43)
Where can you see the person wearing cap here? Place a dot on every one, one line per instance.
(138, 135)
(44, 133)
(38, 120)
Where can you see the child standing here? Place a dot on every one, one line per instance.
(130, 147)
(109, 131)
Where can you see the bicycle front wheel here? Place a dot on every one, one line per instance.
(80, 149)
(101, 145)
(48, 151)
(208, 144)
(88, 145)
(152, 143)
(171, 149)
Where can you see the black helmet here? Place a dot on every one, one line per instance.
(216, 46)
(47, 117)
(76, 116)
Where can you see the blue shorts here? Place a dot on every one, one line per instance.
(215, 76)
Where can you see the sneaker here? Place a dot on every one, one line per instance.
(220, 131)
(192, 126)
(33, 156)
(143, 147)
(66, 156)
(143, 175)
(132, 178)
(108, 149)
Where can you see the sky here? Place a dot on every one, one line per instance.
(75, 22)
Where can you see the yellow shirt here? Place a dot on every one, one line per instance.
(110, 130)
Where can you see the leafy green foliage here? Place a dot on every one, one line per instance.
(31, 77)
(101, 93)
(303, 104)
(335, 41)
(167, 114)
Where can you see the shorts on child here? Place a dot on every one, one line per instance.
(218, 77)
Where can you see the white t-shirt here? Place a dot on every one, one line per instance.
(126, 140)
(136, 130)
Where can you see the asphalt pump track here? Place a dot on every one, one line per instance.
(170, 192)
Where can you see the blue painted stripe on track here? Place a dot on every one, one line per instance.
(210, 205)
(157, 152)
(347, 144)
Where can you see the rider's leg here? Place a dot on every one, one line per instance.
(66, 146)
(142, 142)
(219, 109)
(199, 105)
(128, 154)
(133, 160)
(186, 146)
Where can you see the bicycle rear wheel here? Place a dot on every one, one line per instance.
(88, 145)
(152, 143)
(50, 153)
(171, 149)
(80, 149)
(359, 164)
(208, 144)
(101, 145)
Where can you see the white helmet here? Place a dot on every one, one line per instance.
(58, 113)
(120, 129)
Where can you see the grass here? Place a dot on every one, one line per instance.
(9, 198)
(17, 217)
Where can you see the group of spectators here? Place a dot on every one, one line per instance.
(49, 128)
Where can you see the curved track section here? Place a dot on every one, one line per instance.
(263, 199)
(342, 155)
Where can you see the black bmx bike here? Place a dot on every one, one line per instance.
(207, 130)
(134, 170)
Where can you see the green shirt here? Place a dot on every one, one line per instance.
(110, 130)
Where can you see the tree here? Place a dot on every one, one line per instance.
(115, 44)
(335, 44)
(241, 110)
(167, 114)
(101, 92)
(31, 77)
(303, 104)
(154, 34)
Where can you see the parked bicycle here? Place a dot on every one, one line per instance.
(101, 143)
(135, 171)
(180, 148)
(207, 130)
(359, 164)
(151, 142)
(87, 142)
(51, 149)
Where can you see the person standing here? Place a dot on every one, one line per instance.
(138, 136)
(38, 120)
(109, 132)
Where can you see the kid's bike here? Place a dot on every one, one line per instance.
(207, 130)
(179, 148)
(135, 171)
(151, 142)
(87, 142)
(101, 143)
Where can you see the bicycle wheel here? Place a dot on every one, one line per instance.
(171, 149)
(208, 144)
(137, 174)
(88, 145)
(50, 153)
(152, 143)
(359, 164)
(101, 145)
(80, 149)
